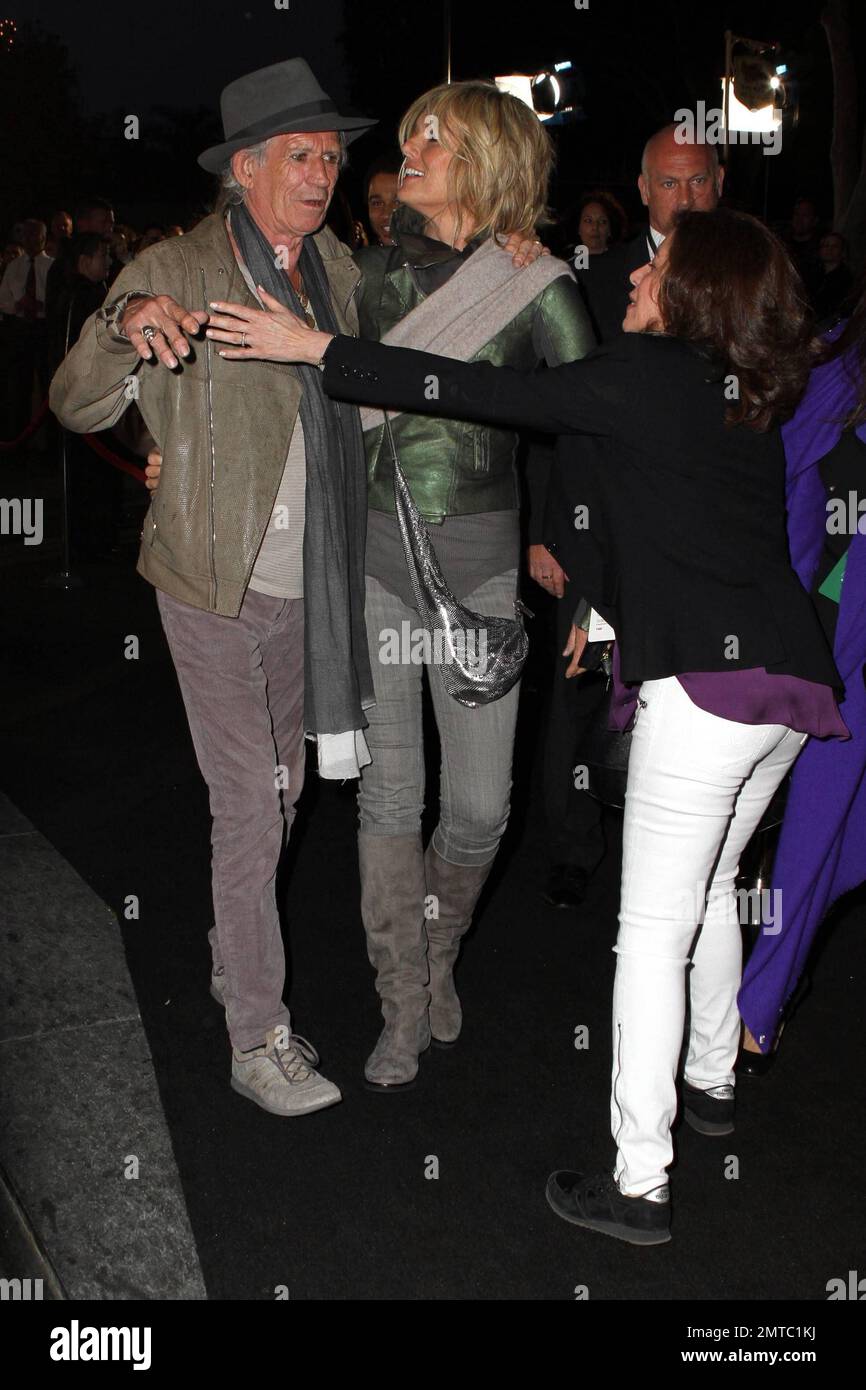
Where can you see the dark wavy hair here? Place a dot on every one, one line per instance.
(852, 340)
(614, 209)
(731, 288)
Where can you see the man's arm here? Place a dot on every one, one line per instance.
(90, 390)
(591, 396)
(7, 300)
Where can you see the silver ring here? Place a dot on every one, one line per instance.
(148, 332)
(243, 340)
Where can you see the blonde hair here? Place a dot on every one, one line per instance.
(503, 156)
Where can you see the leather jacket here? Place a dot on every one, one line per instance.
(454, 467)
(223, 427)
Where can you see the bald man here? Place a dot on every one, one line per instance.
(674, 178)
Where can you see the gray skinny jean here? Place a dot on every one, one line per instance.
(477, 744)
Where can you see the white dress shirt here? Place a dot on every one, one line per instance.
(14, 282)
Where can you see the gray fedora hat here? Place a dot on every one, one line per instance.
(276, 101)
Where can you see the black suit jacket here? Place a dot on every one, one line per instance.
(606, 286)
(683, 544)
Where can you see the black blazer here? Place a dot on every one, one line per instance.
(684, 547)
(605, 284)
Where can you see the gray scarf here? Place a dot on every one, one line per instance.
(483, 295)
(338, 683)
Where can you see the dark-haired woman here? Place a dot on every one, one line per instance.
(682, 548)
(600, 222)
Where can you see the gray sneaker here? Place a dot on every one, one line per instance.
(280, 1076)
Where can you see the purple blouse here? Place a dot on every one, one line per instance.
(752, 696)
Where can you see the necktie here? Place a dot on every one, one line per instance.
(30, 306)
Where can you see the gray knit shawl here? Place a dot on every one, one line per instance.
(338, 683)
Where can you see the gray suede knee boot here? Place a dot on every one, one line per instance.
(392, 908)
(456, 889)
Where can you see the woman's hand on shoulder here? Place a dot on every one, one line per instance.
(524, 251)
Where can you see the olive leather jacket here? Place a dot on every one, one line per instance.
(454, 467)
(223, 427)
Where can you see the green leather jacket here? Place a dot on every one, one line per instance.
(454, 467)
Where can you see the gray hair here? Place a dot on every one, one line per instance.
(232, 192)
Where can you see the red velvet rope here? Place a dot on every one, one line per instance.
(104, 452)
(93, 440)
(7, 444)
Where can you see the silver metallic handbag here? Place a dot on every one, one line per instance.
(481, 658)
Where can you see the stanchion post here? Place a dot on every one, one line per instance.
(67, 578)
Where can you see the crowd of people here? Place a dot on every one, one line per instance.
(55, 273)
(695, 373)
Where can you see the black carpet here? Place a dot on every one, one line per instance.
(95, 751)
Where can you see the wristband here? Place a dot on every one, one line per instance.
(113, 313)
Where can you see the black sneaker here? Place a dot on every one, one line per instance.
(598, 1204)
(709, 1112)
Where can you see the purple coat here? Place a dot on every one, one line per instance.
(822, 846)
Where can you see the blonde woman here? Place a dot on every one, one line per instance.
(476, 168)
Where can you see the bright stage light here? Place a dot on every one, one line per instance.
(548, 95)
(765, 118)
(518, 85)
(531, 91)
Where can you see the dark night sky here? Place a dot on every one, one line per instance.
(640, 60)
(183, 52)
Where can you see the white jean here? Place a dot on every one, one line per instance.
(698, 786)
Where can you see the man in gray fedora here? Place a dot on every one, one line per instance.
(255, 539)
